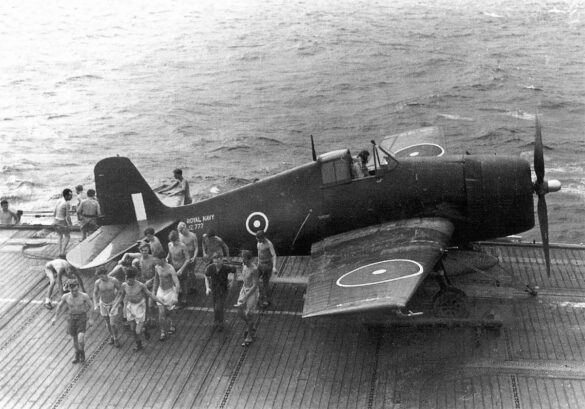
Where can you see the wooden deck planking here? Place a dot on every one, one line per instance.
(340, 362)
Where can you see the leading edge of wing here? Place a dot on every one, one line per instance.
(375, 267)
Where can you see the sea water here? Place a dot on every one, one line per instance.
(230, 91)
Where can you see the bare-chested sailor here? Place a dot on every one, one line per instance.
(166, 288)
(145, 263)
(88, 211)
(248, 296)
(78, 304)
(60, 271)
(213, 245)
(179, 258)
(266, 267)
(156, 248)
(189, 239)
(62, 221)
(134, 294)
(105, 290)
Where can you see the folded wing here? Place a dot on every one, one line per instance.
(375, 267)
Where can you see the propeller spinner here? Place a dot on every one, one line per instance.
(541, 188)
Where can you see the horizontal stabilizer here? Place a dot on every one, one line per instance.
(110, 242)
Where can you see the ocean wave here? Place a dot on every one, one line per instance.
(454, 117)
(270, 140)
(231, 148)
(526, 116)
(18, 167)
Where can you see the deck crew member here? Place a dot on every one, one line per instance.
(179, 258)
(78, 304)
(62, 221)
(248, 296)
(217, 283)
(87, 213)
(134, 294)
(156, 247)
(189, 239)
(212, 244)
(7, 216)
(145, 262)
(182, 189)
(105, 290)
(266, 266)
(60, 270)
(167, 288)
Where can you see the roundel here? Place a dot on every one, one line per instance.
(256, 221)
(421, 149)
(380, 272)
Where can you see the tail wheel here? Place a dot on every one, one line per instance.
(450, 302)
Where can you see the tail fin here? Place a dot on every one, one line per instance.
(123, 194)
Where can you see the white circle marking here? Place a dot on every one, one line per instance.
(256, 223)
(380, 271)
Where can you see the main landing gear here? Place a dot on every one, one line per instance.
(449, 301)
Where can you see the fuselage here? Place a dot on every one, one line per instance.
(483, 196)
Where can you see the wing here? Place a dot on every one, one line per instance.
(375, 267)
(109, 242)
(429, 141)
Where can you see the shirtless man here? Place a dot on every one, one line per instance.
(213, 244)
(248, 296)
(181, 187)
(79, 304)
(7, 216)
(179, 258)
(134, 294)
(145, 263)
(189, 239)
(266, 266)
(166, 288)
(105, 290)
(156, 248)
(87, 213)
(62, 221)
(60, 270)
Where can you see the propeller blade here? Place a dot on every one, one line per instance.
(538, 155)
(543, 221)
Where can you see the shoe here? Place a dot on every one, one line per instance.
(146, 334)
(219, 327)
(163, 337)
(117, 343)
(266, 304)
(172, 330)
(76, 360)
(82, 357)
(138, 347)
(48, 305)
(247, 341)
(111, 341)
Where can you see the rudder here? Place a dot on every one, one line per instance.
(117, 180)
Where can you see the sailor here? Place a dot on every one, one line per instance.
(213, 244)
(105, 290)
(248, 296)
(7, 216)
(217, 283)
(266, 266)
(182, 188)
(78, 304)
(87, 213)
(62, 221)
(61, 271)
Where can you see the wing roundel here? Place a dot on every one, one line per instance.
(375, 267)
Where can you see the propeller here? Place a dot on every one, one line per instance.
(541, 188)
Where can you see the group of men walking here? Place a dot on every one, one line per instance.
(152, 277)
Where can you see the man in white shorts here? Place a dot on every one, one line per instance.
(167, 288)
(105, 290)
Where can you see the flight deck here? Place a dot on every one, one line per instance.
(533, 358)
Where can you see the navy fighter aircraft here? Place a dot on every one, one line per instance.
(372, 239)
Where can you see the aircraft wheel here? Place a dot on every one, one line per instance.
(450, 303)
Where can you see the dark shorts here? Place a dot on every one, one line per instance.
(265, 270)
(77, 324)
